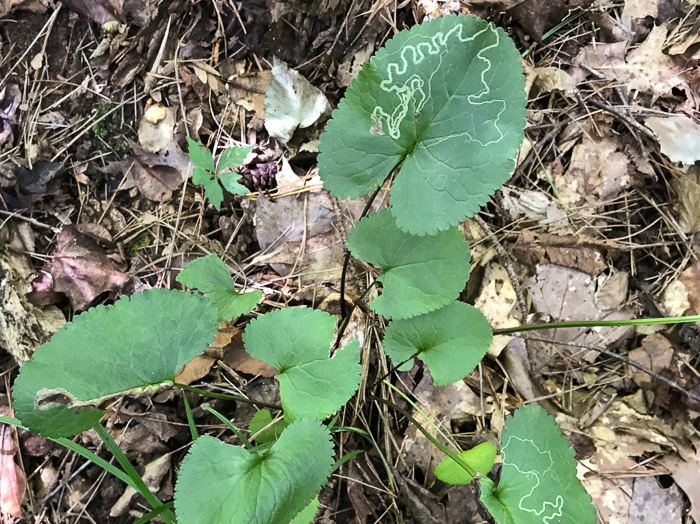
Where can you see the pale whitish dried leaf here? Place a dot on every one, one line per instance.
(152, 476)
(481, 252)
(675, 298)
(291, 102)
(548, 79)
(611, 290)
(684, 39)
(641, 8)
(156, 128)
(611, 495)
(679, 137)
(496, 301)
(608, 59)
(352, 64)
(532, 204)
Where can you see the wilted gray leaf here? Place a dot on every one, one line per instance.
(291, 102)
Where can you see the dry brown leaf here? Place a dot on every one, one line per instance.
(656, 353)
(549, 79)
(195, 369)
(82, 270)
(13, 483)
(652, 503)
(282, 224)
(155, 182)
(236, 357)
(649, 69)
(690, 278)
(580, 252)
(685, 470)
(687, 204)
(567, 294)
(248, 91)
(641, 8)
(611, 290)
(598, 171)
(646, 69)
(496, 301)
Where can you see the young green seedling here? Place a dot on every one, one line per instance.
(212, 175)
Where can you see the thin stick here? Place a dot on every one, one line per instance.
(672, 383)
(346, 262)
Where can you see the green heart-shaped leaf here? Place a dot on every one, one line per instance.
(420, 274)
(481, 459)
(211, 276)
(297, 342)
(140, 341)
(538, 481)
(261, 420)
(445, 103)
(451, 341)
(222, 483)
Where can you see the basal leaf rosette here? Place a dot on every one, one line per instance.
(138, 342)
(221, 483)
(211, 276)
(297, 342)
(538, 480)
(419, 274)
(451, 341)
(445, 103)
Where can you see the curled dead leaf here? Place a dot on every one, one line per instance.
(13, 483)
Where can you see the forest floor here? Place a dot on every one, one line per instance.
(600, 220)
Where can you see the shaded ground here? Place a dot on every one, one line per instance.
(599, 221)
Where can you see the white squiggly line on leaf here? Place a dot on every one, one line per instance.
(557, 505)
(414, 87)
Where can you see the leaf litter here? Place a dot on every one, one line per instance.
(595, 218)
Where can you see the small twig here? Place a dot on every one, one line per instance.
(114, 194)
(627, 119)
(672, 383)
(47, 27)
(32, 221)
